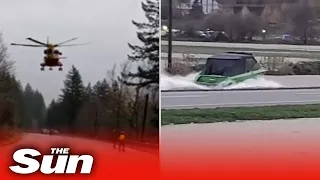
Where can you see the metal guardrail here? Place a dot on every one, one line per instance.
(256, 47)
(268, 50)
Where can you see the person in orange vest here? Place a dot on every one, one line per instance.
(122, 141)
(115, 138)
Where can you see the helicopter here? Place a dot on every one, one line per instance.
(52, 55)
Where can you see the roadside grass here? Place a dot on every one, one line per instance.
(9, 136)
(186, 116)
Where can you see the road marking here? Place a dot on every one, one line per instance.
(246, 104)
(238, 91)
(186, 96)
(309, 93)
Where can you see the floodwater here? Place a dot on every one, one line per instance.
(168, 82)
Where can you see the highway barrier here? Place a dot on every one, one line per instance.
(269, 50)
(259, 47)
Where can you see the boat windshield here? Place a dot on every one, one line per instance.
(225, 67)
(230, 65)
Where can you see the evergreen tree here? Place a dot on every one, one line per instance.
(10, 101)
(72, 95)
(56, 117)
(34, 108)
(88, 92)
(27, 98)
(100, 89)
(50, 114)
(39, 112)
(10, 91)
(148, 54)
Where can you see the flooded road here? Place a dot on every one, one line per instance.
(249, 149)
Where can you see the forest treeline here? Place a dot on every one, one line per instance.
(99, 108)
(84, 109)
(127, 101)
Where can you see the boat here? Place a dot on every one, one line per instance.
(229, 68)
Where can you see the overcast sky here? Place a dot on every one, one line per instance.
(105, 24)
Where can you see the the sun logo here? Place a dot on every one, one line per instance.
(65, 164)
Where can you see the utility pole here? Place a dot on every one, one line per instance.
(207, 7)
(170, 37)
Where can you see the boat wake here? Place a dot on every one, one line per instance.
(168, 82)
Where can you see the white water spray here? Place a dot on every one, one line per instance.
(168, 82)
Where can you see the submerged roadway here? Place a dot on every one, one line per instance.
(238, 98)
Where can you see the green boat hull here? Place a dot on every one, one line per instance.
(215, 80)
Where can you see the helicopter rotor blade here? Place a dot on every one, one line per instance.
(66, 41)
(28, 45)
(73, 45)
(36, 41)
